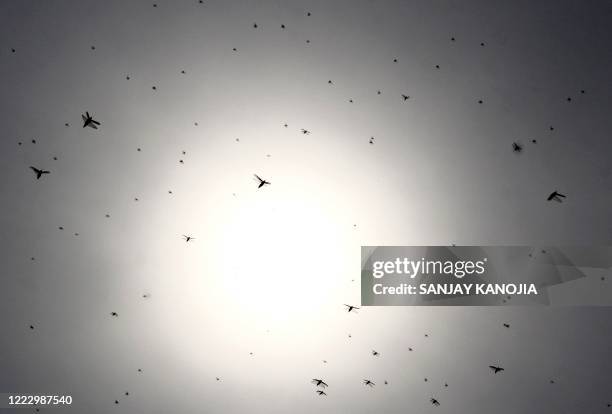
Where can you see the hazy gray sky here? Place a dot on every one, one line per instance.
(270, 269)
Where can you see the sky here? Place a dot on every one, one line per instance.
(257, 298)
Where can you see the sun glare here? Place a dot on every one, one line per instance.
(286, 259)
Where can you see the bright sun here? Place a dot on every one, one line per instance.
(286, 259)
